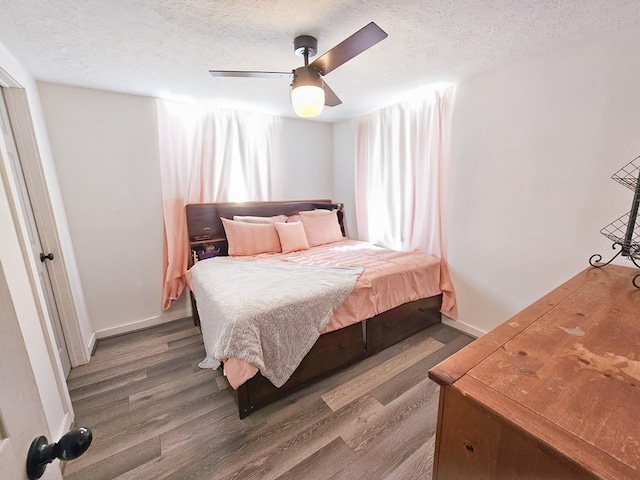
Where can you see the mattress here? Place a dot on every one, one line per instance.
(390, 278)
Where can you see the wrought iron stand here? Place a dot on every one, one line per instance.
(625, 231)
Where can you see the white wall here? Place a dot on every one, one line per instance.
(106, 153)
(20, 270)
(105, 148)
(305, 169)
(534, 147)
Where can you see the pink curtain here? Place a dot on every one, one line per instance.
(207, 155)
(401, 170)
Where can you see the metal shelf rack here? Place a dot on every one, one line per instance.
(624, 232)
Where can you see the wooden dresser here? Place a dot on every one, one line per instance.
(553, 393)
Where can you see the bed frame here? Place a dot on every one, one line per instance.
(333, 351)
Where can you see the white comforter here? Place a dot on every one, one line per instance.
(269, 315)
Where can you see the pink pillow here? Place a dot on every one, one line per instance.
(321, 228)
(296, 216)
(292, 236)
(250, 238)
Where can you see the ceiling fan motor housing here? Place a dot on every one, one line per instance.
(306, 76)
(305, 43)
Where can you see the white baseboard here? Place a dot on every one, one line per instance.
(463, 327)
(141, 324)
(92, 343)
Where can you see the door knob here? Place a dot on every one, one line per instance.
(42, 453)
(44, 257)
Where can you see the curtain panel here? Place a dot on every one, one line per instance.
(400, 171)
(207, 155)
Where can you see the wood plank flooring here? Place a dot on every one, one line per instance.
(155, 415)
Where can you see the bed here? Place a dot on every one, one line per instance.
(347, 337)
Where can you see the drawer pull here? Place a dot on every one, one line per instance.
(468, 446)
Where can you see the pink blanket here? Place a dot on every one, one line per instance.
(390, 279)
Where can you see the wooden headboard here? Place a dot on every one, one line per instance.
(205, 228)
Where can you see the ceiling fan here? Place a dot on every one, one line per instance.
(309, 93)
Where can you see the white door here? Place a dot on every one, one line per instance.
(34, 239)
(22, 417)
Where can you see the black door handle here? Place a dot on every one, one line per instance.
(44, 257)
(42, 453)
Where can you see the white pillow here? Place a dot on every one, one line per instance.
(250, 219)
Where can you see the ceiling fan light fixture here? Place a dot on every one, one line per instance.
(307, 101)
(307, 92)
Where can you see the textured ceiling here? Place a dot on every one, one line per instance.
(165, 47)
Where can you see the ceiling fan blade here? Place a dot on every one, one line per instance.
(330, 97)
(347, 49)
(249, 74)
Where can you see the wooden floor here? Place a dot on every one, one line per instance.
(154, 414)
